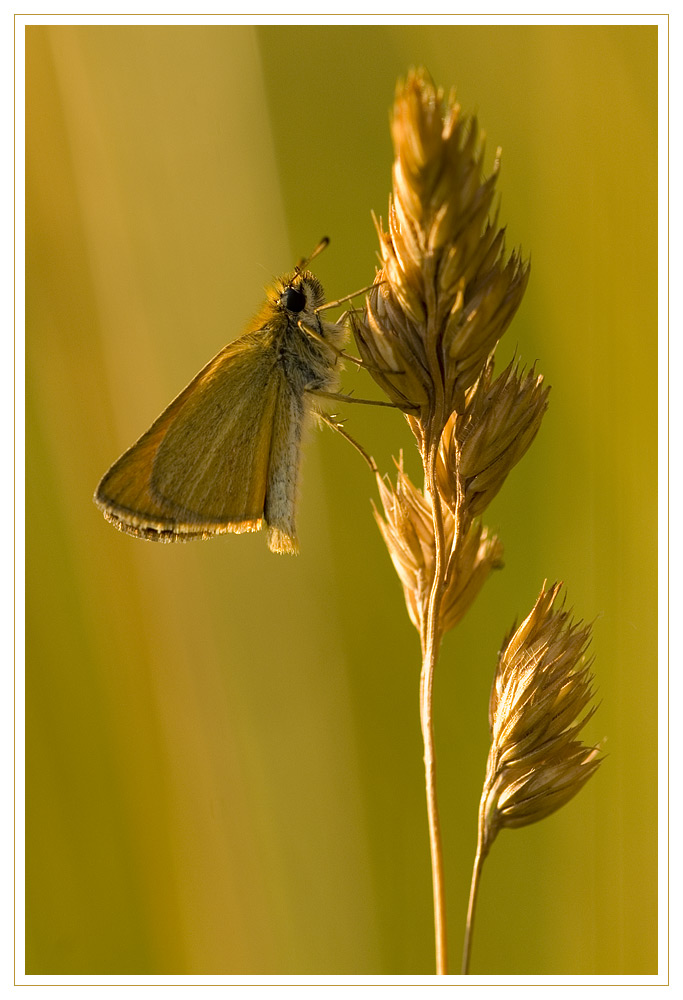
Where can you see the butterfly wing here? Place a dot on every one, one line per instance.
(202, 467)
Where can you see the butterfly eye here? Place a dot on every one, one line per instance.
(294, 300)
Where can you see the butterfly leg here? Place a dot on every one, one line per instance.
(408, 408)
(336, 425)
(342, 354)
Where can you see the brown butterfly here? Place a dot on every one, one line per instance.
(224, 456)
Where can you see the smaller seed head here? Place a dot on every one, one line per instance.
(539, 704)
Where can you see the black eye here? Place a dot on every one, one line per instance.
(294, 300)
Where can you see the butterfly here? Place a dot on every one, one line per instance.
(224, 456)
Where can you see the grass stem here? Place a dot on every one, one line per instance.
(471, 907)
(430, 648)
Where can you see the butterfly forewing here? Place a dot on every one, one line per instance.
(202, 467)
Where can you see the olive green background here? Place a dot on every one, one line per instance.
(223, 754)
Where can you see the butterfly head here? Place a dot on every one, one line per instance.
(299, 293)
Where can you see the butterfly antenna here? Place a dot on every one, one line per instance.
(303, 264)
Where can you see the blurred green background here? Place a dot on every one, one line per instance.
(223, 755)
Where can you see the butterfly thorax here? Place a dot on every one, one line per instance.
(298, 335)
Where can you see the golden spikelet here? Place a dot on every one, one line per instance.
(538, 707)
(480, 445)
(408, 533)
(445, 293)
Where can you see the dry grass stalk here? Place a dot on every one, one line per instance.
(539, 705)
(444, 296)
